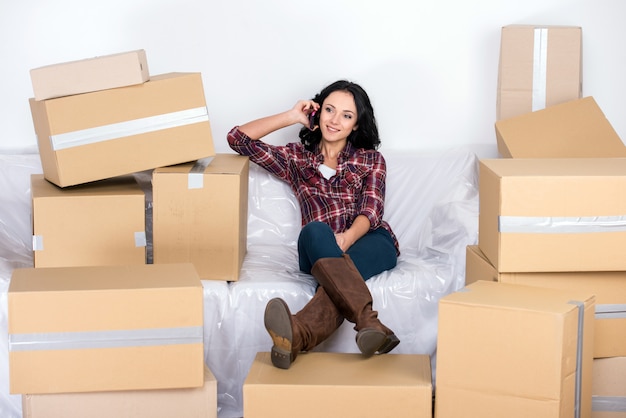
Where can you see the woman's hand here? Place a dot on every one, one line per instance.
(302, 109)
(342, 242)
(359, 227)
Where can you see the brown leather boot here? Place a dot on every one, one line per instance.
(292, 334)
(347, 289)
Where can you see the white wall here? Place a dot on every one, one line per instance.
(430, 67)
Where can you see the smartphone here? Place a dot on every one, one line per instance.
(312, 123)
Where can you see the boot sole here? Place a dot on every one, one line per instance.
(370, 341)
(278, 324)
(390, 343)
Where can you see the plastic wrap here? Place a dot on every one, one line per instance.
(431, 204)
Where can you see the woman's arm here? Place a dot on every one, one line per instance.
(258, 128)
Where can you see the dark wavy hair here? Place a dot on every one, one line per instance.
(366, 134)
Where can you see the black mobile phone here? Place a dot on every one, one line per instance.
(312, 123)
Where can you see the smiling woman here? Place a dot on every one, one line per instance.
(338, 178)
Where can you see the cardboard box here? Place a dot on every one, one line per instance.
(539, 66)
(89, 75)
(609, 388)
(158, 403)
(340, 385)
(101, 223)
(609, 287)
(200, 215)
(514, 351)
(576, 129)
(549, 215)
(94, 136)
(105, 328)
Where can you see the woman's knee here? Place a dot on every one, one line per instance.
(315, 230)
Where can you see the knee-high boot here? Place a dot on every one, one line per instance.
(292, 334)
(347, 289)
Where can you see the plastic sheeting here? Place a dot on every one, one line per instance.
(432, 205)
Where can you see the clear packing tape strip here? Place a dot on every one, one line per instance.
(561, 225)
(105, 339)
(128, 128)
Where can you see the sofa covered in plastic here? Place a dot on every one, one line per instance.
(431, 203)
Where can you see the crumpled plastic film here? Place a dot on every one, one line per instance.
(431, 204)
(15, 214)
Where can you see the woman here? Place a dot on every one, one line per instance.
(338, 178)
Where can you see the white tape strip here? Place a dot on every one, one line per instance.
(195, 178)
(560, 225)
(140, 239)
(608, 404)
(128, 128)
(104, 339)
(610, 311)
(37, 243)
(540, 68)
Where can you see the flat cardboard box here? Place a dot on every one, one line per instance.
(340, 385)
(609, 388)
(551, 215)
(105, 328)
(94, 136)
(506, 350)
(540, 66)
(89, 75)
(200, 215)
(575, 129)
(158, 403)
(100, 223)
(609, 287)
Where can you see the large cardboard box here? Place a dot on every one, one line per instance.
(575, 129)
(340, 385)
(507, 350)
(91, 74)
(609, 287)
(609, 388)
(200, 215)
(105, 328)
(548, 215)
(158, 403)
(100, 223)
(540, 66)
(94, 136)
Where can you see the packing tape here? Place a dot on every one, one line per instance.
(195, 179)
(560, 225)
(579, 356)
(37, 243)
(104, 339)
(610, 311)
(128, 128)
(540, 67)
(608, 403)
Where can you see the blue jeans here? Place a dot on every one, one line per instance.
(372, 254)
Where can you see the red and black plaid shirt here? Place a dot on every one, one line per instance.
(358, 188)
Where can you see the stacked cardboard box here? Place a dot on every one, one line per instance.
(102, 223)
(93, 317)
(507, 350)
(340, 385)
(553, 216)
(136, 330)
(540, 66)
(184, 196)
